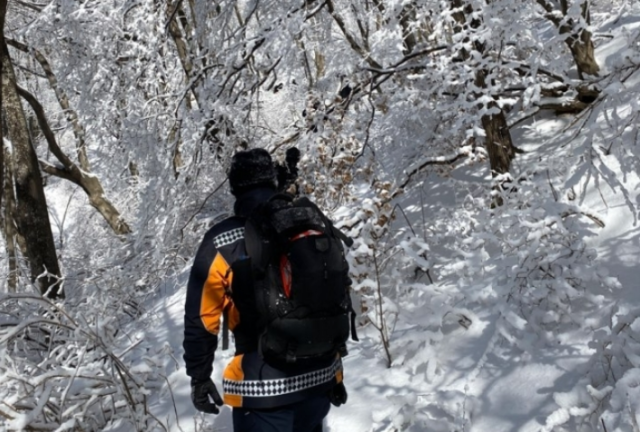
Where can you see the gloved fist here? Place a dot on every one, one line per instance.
(200, 393)
(338, 395)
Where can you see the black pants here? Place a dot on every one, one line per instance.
(305, 416)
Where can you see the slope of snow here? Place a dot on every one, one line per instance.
(455, 366)
(445, 377)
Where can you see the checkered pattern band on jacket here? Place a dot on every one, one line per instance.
(228, 237)
(282, 386)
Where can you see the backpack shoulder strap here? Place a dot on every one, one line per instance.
(225, 319)
(258, 246)
(258, 239)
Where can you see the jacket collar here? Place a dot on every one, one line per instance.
(248, 201)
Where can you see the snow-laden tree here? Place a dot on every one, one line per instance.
(141, 104)
(26, 219)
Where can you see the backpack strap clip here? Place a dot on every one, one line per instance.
(225, 329)
(225, 314)
(291, 353)
(354, 333)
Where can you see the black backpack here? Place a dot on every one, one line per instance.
(300, 282)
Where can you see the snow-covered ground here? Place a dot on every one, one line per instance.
(445, 376)
(461, 358)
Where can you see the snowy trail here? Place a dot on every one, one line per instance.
(424, 391)
(445, 377)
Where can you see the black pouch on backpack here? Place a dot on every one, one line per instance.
(301, 283)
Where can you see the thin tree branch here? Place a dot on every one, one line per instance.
(63, 100)
(443, 160)
(527, 115)
(173, 15)
(63, 173)
(550, 11)
(32, 72)
(315, 12)
(201, 207)
(595, 219)
(354, 44)
(33, 6)
(46, 130)
(394, 68)
(520, 65)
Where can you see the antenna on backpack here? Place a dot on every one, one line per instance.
(288, 173)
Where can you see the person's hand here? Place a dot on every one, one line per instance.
(338, 394)
(200, 393)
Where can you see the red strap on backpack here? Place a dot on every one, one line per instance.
(307, 233)
(285, 265)
(285, 275)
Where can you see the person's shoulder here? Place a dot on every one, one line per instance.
(226, 231)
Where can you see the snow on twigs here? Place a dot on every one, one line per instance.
(490, 297)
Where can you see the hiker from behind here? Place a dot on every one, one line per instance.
(276, 275)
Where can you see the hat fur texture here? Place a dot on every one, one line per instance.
(250, 169)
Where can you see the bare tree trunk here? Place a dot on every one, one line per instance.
(78, 175)
(12, 256)
(31, 216)
(582, 49)
(320, 63)
(174, 136)
(498, 143)
(8, 225)
(181, 45)
(3, 14)
(6, 192)
(497, 135)
(578, 40)
(409, 34)
(83, 176)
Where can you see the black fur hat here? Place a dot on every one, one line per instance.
(250, 169)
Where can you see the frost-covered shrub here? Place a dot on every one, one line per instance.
(608, 395)
(75, 368)
(527, 259)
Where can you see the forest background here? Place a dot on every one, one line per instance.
(483, 154)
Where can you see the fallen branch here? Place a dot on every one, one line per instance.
(566, 106)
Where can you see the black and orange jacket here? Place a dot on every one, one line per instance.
(247, 381)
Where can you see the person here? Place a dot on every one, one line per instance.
(264, 397)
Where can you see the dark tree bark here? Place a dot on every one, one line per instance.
(7, 223)
(578, 40)
(409, 34)
(179, 40)
(498, 137)
(3, 14)
(31, 213)
(80, 175)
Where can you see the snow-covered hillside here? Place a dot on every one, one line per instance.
(475, 317)
(462, 358)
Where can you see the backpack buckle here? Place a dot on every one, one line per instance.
(291, 353)
(342, 350)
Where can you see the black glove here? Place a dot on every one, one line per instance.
(200, 393)
(338, 395)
